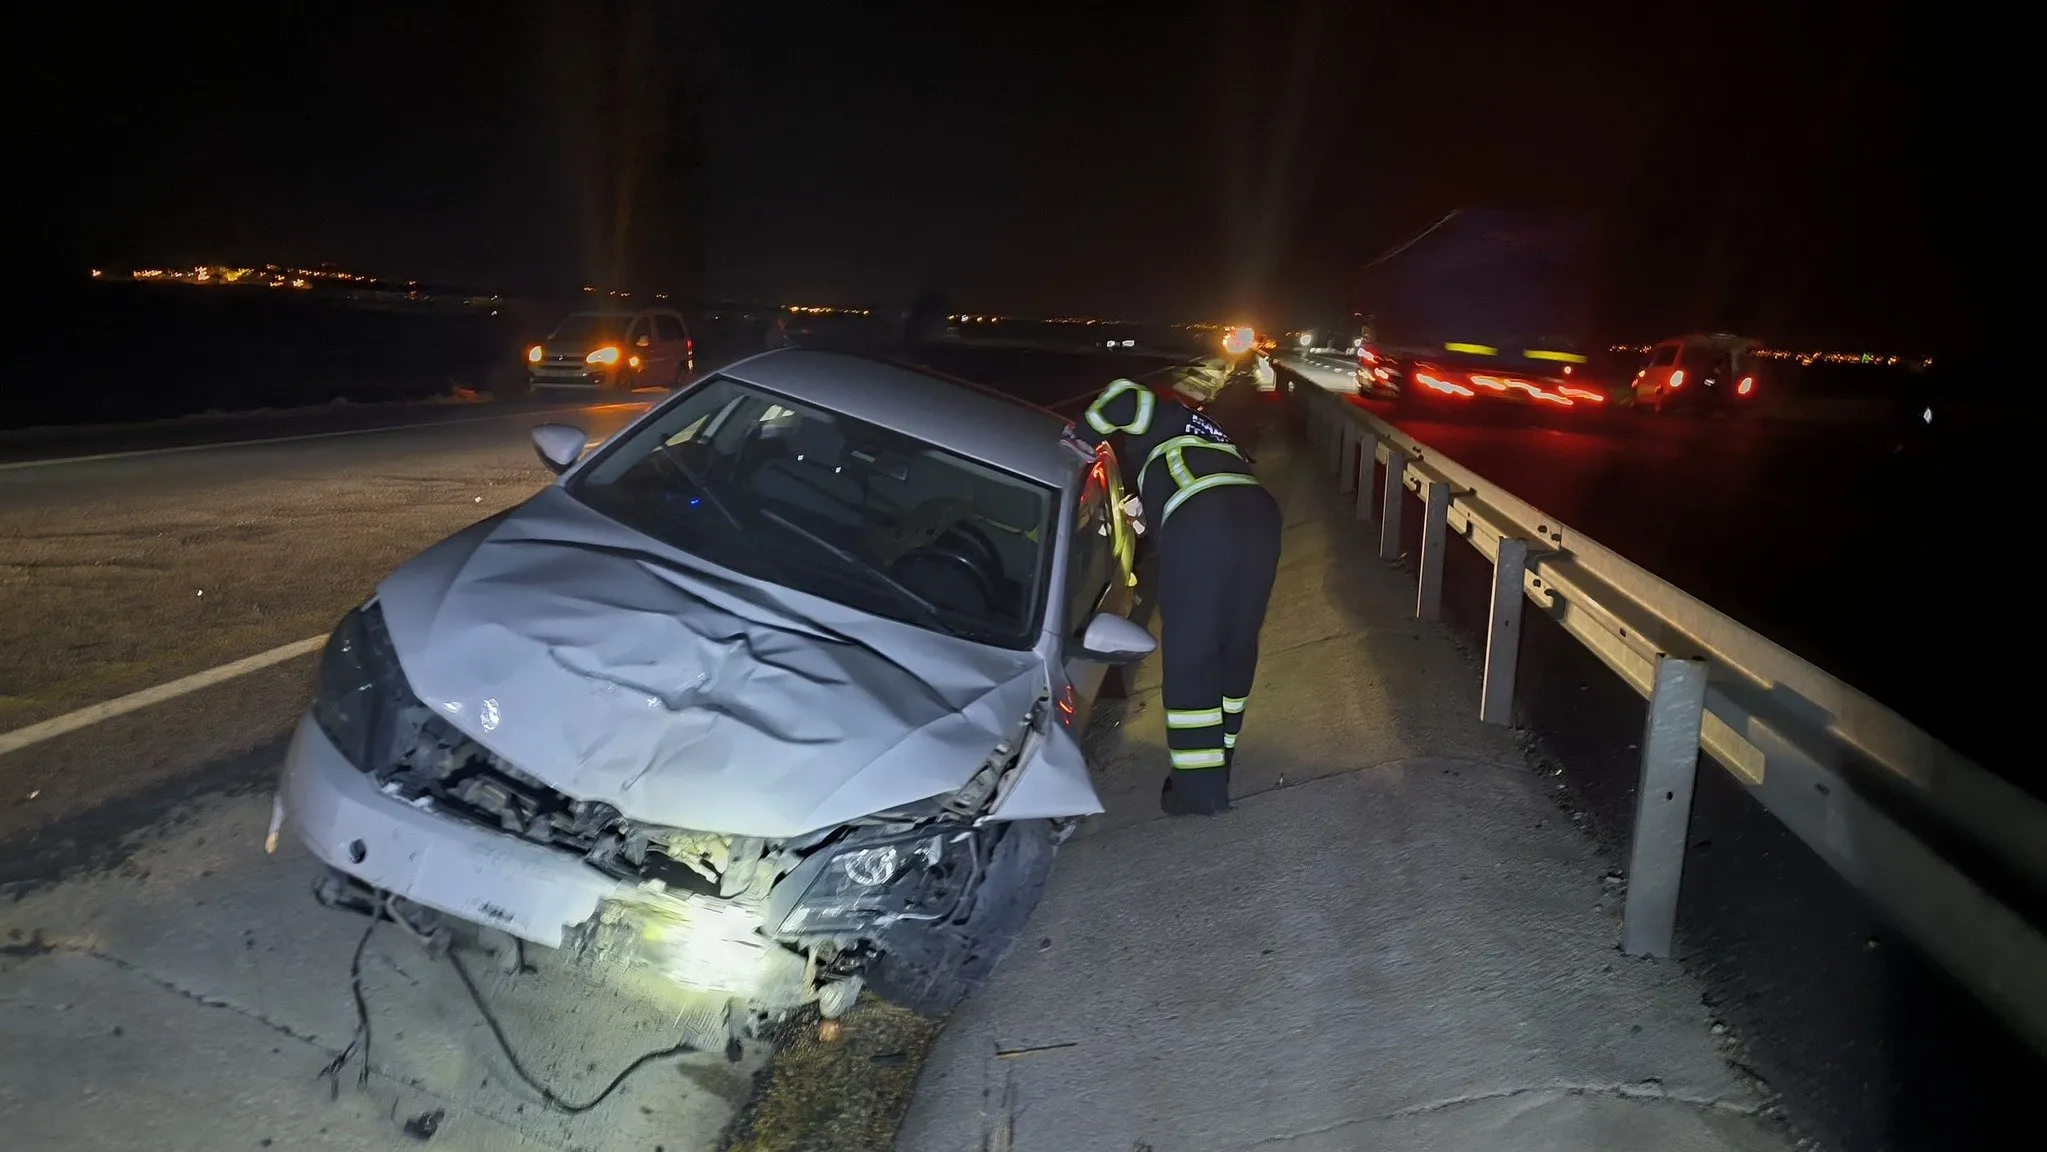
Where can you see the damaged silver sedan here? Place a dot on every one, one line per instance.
(776, 693)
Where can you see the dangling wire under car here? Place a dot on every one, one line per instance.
(382, 910)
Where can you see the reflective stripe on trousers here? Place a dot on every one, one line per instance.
(1216, 568)
(1195, 737)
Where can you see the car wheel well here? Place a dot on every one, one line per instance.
(929, 968)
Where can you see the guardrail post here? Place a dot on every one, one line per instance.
(1346, 471)
(1428, 596)
(1389, 505)
(1663, 806)
(1503, 633)
(1368, 459)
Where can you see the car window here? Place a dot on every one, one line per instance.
(820, 501)
(1664, 356)
(1091, 560)
(669, 328)
(638, 331)
(1704, 358)
(585, 325)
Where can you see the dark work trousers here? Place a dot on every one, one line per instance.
(1218, 554)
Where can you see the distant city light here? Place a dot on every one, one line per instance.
(354, 285)
(269, 275)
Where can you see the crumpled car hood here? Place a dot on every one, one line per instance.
(615, 668)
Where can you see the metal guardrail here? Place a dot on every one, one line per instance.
(1827, 761)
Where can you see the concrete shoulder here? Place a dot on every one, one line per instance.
(1395, 939)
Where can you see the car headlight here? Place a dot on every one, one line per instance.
(865, 882)
(533, 354)
(605, 356)
(358, 681)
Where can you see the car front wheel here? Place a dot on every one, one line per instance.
(930, 967)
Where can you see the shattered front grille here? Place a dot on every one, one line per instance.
(432, 762)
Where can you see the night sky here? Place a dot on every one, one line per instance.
(1812, 173)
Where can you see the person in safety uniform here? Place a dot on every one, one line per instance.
(1217, 535)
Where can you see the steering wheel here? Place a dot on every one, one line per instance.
(977, 542)
(963, 583)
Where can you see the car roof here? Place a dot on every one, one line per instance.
(976, 422)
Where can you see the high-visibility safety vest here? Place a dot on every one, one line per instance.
(1184, 452)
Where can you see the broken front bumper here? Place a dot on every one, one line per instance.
(536, 893)
(466, 871)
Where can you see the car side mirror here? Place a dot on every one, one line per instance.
(1113, 640)
(559, 445)
(643, 341)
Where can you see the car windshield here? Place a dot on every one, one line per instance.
(584, 325)
(836, 507)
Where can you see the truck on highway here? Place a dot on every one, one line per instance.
(1484, 304)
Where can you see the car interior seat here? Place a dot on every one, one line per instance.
(810, 478)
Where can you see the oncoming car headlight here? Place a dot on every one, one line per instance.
(871, 881)
(358, 677)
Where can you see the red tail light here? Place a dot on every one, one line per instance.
(1677, 380)
(1436, 383)
(1747, 385)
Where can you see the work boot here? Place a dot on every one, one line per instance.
(1195, 792)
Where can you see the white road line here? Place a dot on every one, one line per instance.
(86, 717)
(217, 444)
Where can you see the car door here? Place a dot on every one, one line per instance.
(1099, 576)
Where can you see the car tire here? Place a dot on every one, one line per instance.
(929, 968)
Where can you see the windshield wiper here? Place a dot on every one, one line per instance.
(925, 608)
(697, 481)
